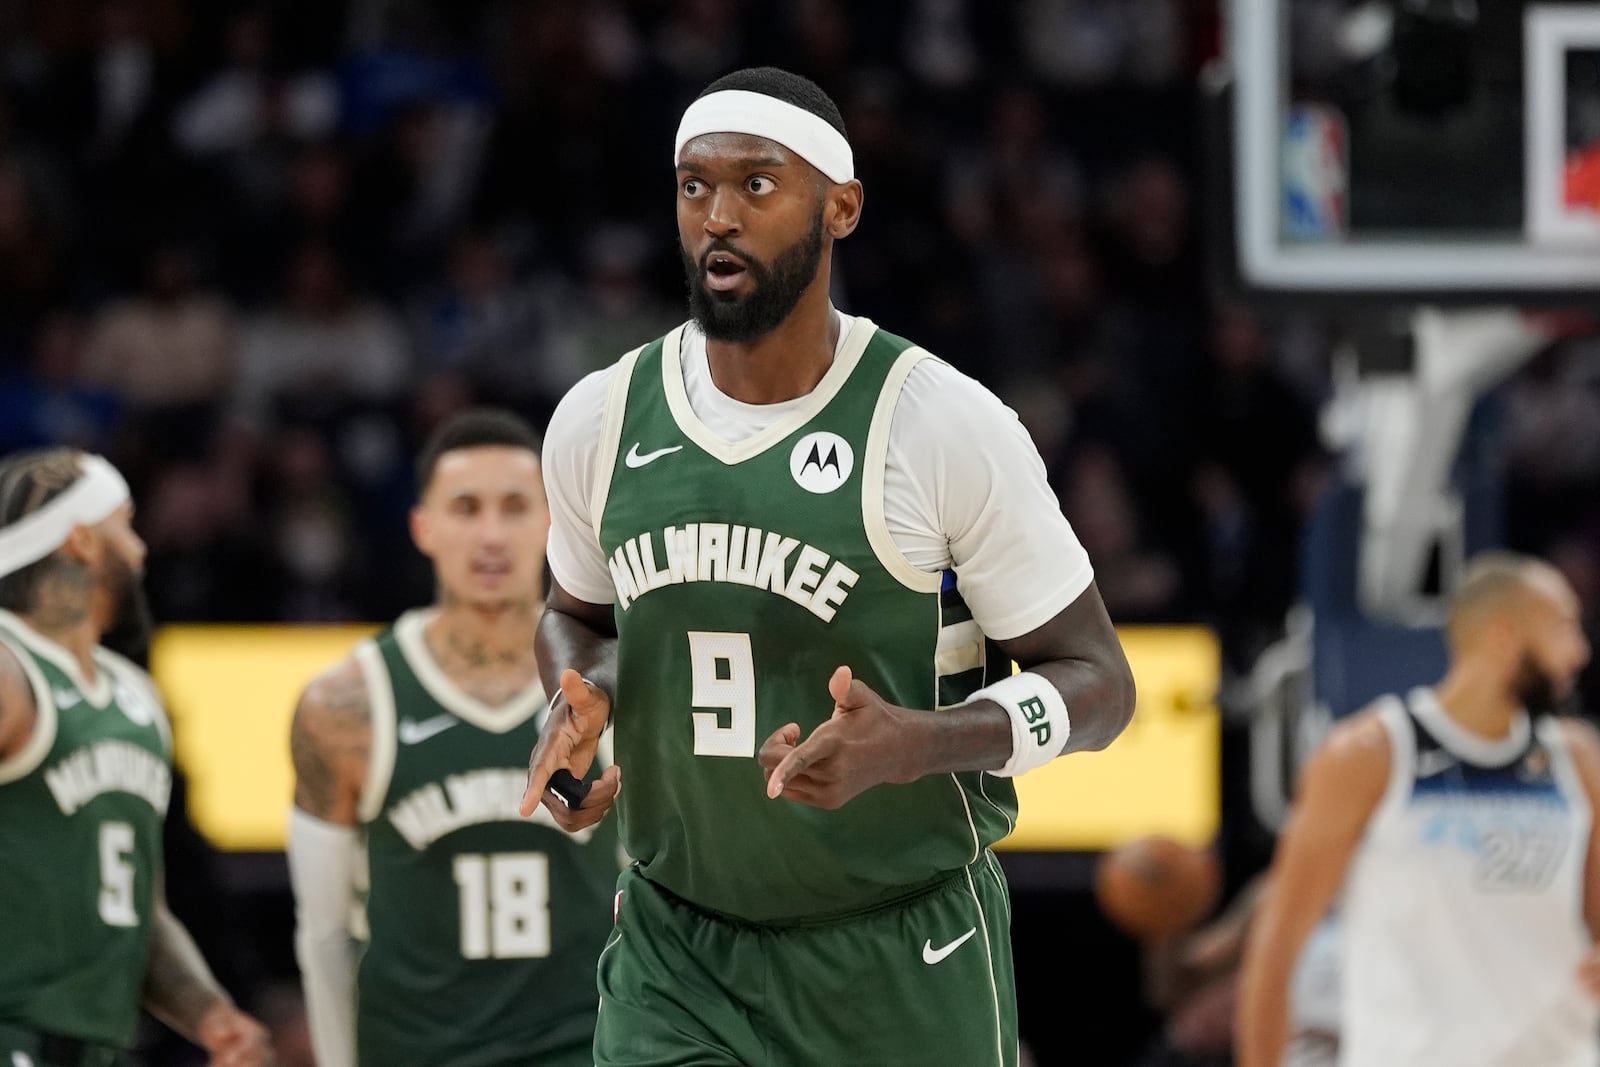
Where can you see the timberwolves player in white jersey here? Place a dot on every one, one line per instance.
(1458, 822)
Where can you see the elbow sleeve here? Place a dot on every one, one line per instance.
(323, 860)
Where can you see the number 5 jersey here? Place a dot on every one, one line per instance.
(81, 813)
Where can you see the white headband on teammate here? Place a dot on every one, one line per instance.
(741, 111)
(97, 493)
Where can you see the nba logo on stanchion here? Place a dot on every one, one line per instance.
(1315, 174)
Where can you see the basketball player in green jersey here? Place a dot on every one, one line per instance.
(86, 938)
(481, 929)
(795, 556)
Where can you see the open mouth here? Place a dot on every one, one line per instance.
(723, 271)
(491, 568)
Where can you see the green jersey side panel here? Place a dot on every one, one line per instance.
(81, 821)
(745, 575)
(483, 927)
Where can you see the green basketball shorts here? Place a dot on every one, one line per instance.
(21, 1047)
(924, 979)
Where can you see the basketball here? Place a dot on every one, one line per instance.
(1154, 887)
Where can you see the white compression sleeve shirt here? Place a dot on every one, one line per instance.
(964, 488)
(322, 872)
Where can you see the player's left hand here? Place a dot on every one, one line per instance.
(233, 1039)
(569, 741)
(862, 745)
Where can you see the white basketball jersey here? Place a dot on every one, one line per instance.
(1314, 1000)
(1463, 910)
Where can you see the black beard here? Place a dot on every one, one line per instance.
(129, 632)
(1537, 691)
(774, 293)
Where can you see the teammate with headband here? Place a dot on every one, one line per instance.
(85, 775)
(794, 559)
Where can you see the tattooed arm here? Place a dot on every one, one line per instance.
(180, 991)
(330, 740)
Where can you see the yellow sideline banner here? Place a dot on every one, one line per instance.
(231, 692)
(1162, 776)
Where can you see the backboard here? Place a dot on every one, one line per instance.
(1415, 150)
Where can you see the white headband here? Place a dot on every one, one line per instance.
(97, 493)
(741, 111)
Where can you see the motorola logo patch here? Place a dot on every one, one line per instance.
(821, 462)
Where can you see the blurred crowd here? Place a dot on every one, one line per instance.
(254, 251)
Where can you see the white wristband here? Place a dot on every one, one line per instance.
(1039, 723)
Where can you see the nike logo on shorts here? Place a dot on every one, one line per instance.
(414, 733)
(636, 459)
(931, 955)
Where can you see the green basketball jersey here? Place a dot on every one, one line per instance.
(483, 927)
(81, 813)
(745, 574)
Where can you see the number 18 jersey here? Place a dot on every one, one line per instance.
(482, 927)
(745, 574)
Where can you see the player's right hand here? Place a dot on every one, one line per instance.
(569, 740)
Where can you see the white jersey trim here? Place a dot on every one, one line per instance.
(97, 695)
(983, 791)
(874, 466)
(1463, 744)
(409, 634)
(960, 648)
(134, 677)
(972, 497)
(1396, 721)
(611, 436)
(988, 955)
(861, 331)
(380, 706)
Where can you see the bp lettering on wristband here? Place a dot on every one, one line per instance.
(1038, 719)
(1039, 723)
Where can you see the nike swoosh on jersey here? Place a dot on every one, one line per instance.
(931, 955)
(635, 459)
(413, 733)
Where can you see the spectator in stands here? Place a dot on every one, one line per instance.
(168, 346)
(322, 345)
(48, 402)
